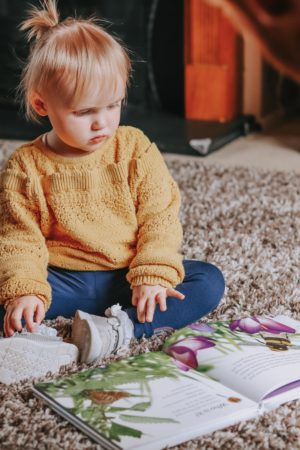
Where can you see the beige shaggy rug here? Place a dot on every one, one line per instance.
(248, 223)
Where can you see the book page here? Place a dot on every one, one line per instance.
(252, 358)
(147, 402)
(282, 395)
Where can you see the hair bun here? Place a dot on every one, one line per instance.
(40, 20)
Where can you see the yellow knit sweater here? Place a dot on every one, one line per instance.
(116, 207)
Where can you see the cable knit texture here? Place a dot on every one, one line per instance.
(115, 207)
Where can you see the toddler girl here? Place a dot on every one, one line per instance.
(89, 211)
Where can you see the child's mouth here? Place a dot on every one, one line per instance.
(97, 139)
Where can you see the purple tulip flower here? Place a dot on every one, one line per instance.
(185, 350)
(202, 327)
(180, 365)
(258, 324)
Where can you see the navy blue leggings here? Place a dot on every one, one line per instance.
(93, 292)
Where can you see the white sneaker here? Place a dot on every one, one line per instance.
(31, 355)
(97, 337)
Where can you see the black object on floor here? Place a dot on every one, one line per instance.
(174, 134)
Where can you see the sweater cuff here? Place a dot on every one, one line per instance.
(18, 287)
(151, 281)
(155, 274)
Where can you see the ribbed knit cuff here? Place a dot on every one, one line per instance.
(151, 281)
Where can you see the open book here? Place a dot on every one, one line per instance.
(207, 377)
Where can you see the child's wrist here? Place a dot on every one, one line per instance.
(40, 297)
(5, 304)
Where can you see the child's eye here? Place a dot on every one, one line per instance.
(114, 105)
(82, 112)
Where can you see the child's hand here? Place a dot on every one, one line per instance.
(29, 307)
(145, 297)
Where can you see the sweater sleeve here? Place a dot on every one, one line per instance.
(156, 195)
(23, 250)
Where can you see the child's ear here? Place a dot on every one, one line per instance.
(38, 104)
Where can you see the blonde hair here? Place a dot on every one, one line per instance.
(69, 57)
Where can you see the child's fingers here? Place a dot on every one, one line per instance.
(6, 328)
(39, 313)
(141, 306)
(150, 308)
(134, 300)
(162, 301)
(28, 316)
(173, 293)
(14, 321)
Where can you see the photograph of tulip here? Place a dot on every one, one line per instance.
(221, 372)
(228, 336)
(144, 402)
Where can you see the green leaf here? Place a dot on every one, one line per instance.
(203, 368)
(118, 430)
(145, 419)
(141, 406)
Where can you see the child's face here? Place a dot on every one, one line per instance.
(84, 127)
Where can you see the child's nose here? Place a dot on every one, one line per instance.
(98, 123)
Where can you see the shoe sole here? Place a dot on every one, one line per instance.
(85, 337)
(22, 358)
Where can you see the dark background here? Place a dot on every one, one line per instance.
(153, 31)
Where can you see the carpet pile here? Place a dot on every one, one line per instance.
(247, 222)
